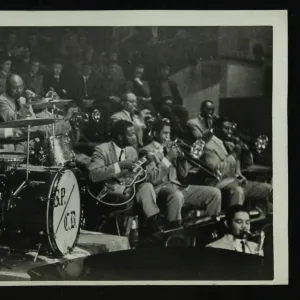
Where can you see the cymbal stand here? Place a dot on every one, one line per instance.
(28, 151)
(26, 182)
(53, 127)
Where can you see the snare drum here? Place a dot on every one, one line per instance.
(60, 150)
(45, 212)
(10, 160)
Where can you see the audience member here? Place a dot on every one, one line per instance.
(56, 81)
(33, 79)
(5, 65)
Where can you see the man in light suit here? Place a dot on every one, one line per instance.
(238, 225)
(13, 106)
(224, 156)
(109, 159)
(163, 175)
(128, 113)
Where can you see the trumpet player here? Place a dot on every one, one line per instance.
(163, 174)
(222, 155)
(238, 230)
(205, 119)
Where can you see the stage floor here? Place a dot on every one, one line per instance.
(15, 266)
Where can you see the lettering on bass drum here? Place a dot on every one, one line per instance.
(64, 214)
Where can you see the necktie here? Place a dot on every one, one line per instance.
(243, 246)
(121, 153)
(85, 86)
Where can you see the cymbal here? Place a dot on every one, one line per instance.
(28, 122)
(48, 103)
(19, 139)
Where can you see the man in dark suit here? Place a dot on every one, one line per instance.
(85, 85)
(110, 159)
(141, 89)
(34, 79)
(22, 64)
(56, 81)
(164, 177)
(164, 87)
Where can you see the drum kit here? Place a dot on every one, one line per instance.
(40, 204)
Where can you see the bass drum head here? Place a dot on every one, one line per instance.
(64, 213)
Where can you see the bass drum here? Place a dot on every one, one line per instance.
(46, 212)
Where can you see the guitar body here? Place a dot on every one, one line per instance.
(119, 191)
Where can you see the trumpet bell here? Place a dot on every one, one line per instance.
(197, 149)
(96, 115)
(261, 143)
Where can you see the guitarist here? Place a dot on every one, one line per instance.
(109, 159)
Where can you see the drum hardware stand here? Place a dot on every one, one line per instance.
(37, 252)
(53, 127)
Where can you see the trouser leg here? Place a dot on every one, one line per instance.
(205, 197)
(146, 197)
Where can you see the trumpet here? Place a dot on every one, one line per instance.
(79, 117)
(259, 144)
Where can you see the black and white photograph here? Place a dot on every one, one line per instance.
(144, 149)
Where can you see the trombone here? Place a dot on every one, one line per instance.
(193, 154)
(259, 144)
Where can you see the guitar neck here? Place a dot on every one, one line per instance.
(141, 162)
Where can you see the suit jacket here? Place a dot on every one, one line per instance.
(216, 152)
(123, 115)
(57, 85)
(161, 174)
(197, 126)
(156, 93)
(34, 83)
(101, 167)
(140, 90)
(2, 82)
(227, 243)
(21, 66)
(79, 87)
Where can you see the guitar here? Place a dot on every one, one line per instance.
(120, 190)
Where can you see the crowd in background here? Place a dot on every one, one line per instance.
(77, 67)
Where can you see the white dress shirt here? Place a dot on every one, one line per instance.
(118, 152)
(238, 246)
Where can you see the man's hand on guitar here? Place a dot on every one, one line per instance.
(156, 156)
(126, 165)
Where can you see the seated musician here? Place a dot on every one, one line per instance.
(128, 113)
(224, 156)
(238, 228)
(110, 159)
(205, 119)
(164, 177)
(13, 105)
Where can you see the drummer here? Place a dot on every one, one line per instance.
(13, 106)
